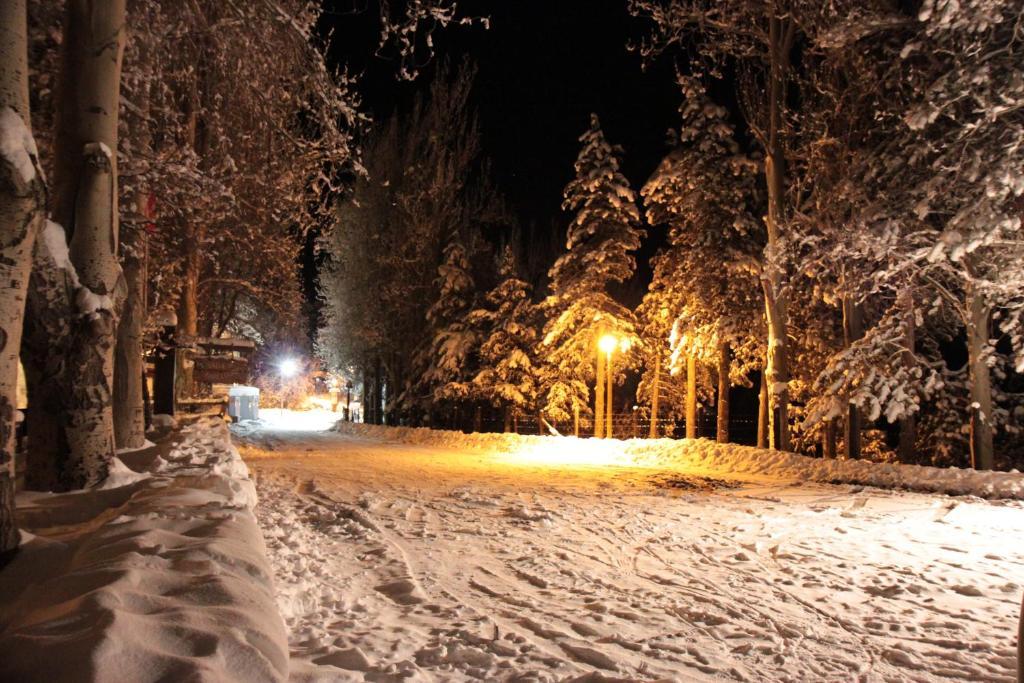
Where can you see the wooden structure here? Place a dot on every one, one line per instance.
(186, 368)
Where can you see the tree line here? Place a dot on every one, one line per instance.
(158, 157)
(846, 234)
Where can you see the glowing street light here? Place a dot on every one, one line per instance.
(608, 344)
(288, 367)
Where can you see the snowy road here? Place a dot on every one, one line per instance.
(397, 561)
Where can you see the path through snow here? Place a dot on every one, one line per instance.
(397, 561)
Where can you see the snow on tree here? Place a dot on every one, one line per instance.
(600, 239)
(964, 71)
(704, 191)
(911, 218)
(757, 40)
(448, 357)
(425, 178)
(22, 213)
(71, 321)
(507, 378)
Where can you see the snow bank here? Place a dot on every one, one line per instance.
(702, 454)
(159, 574)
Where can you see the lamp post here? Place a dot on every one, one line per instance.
(609, 343)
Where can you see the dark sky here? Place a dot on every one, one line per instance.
(544, 66)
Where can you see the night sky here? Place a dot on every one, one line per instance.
(543, 68)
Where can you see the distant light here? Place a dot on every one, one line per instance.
(607, 343)
(288, 367)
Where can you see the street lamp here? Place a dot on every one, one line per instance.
(609, 343)
(287, 368)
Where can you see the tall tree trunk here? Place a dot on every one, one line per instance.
(575, 419)
(979, 315)
(780, 40)
(188, 310)
(129, 370)
(129, 366)
(599, 393)
(22, 206)
(724, 361)
(655, 395)
(908, 424)
(508, 419)
(853, 330)
(85, 201)
(691, 396)
(762, 412)
(829, 439)
(364, 398)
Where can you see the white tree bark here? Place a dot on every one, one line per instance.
(86, 204)
(775, 304)
(22, 202)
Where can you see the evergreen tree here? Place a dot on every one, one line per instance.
(708, 278)
(447, 357)
(600, 238)
(508, 378)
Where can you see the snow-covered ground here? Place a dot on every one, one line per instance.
(160, 574)
(490, 558)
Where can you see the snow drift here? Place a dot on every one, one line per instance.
(159, 574)
(709, 456)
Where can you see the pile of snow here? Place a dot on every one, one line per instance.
(709, 456)
(159, 574)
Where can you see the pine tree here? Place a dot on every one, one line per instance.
(599, 242)
(448, 355)
(704, 191)
(508, 378)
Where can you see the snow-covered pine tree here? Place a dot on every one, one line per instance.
(757, 40)
(449, 354)
(507, 378)
(424, 177)
(663, 391)
(599, 242)
(704, 190)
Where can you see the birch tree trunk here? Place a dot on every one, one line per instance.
(908, 424)
(724, 361)
(129, 406)
(655, 396)
(691, 396)
(86, 204)
(777, 369)
(22, 205)
(981, 388)
(129, 368)
(853, 329)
